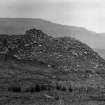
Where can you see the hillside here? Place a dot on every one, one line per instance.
(20, 25)
(37, 69)
(35, 44)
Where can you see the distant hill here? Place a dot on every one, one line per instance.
(101, 52)
(20, 25)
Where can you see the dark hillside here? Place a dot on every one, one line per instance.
(37, 69)
(35, 44)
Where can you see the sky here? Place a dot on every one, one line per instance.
(84, 13)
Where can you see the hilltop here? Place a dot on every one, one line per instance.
(20, 25)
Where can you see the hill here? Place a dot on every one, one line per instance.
(20, 25)
(39, 69)
(101, 52)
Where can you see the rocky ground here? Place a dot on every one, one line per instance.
(36, 69)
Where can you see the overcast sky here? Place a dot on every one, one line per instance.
(85, 13)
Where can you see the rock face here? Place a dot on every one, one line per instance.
(37, 63)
